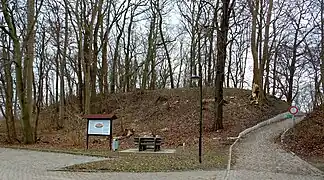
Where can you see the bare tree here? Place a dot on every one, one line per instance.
(227, 7)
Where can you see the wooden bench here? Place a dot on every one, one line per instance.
(144, 143)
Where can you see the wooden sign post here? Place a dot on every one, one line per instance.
(100, 125)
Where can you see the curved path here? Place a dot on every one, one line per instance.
(257, 156)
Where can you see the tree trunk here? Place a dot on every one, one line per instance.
(220, 66)
(292, 69)
(257, 87)
(255, 8)
(86, 69)
(150, 52)
(104, 68)
(166, 51)
(27, 80)
(265, 57)
(11, 128)
(322, 44)
(229, 68)
(57, 79)
(40, 85)
(127, 56)
(115, 60)
(211, 45)
(62, 70)
(181, 64)
(94, 69)
(153, 56)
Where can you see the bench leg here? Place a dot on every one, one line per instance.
(139, 144)
(154, 144)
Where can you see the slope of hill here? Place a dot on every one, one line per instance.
(307, 138)
(172, 114)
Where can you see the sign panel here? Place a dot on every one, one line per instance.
(99, 127)
(293, 110)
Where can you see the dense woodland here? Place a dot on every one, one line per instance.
(54, 50)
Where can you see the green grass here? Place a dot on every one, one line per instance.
(180, 161)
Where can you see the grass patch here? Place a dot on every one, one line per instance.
(180, 161)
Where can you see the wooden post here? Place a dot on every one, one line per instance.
(111, 134)
(87, 133)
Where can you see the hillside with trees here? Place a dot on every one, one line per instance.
(171, 114)
(58, 54)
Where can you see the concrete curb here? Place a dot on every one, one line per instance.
(313, 168)
(56, 151)
(277, 118)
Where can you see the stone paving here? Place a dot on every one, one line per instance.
(33, 165)
(257, 153)
(257, 158)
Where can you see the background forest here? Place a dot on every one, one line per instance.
(55, 51)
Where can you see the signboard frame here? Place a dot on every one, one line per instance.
(101, 120)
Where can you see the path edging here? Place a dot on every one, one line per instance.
(55, 151)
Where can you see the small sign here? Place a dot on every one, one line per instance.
(293, 110)
(289, 116)
(99, 127)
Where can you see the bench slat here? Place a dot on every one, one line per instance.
(152, 144)
(148, 141)
(149, 144)
(144, 143)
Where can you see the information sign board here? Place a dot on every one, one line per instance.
(99, 127)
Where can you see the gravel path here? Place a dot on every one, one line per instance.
(257, 153)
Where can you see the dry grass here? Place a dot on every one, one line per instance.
(180, 161)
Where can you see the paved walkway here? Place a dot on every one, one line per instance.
(257, 158)
(32, 165)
